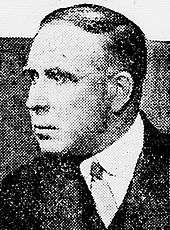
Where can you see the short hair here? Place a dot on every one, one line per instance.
(128, 39)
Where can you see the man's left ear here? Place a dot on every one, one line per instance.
(122, 83)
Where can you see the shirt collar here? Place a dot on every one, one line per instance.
(122, 154)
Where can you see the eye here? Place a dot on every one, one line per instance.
(31, 74)
(60, 77)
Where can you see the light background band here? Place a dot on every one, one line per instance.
(20, 18)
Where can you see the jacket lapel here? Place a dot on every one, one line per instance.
(143, 203)
(90, 217)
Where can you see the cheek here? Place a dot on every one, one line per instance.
(76, 106)
(85, 109)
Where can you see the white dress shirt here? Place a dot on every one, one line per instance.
(119, 161)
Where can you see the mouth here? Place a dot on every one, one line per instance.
(43, 137)
(44, 132)
(48, 127)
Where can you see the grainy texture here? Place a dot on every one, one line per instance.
(45, 189)
(15, 125)
(39, 194)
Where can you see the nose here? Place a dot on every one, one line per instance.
(38, 98)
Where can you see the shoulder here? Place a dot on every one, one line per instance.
(148, 190)
(18, 198)
(152, 133)
(20, 178)
(16, 183)
(154, 139)
(156, 148)
(156, 163)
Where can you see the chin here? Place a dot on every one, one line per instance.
(52, 146)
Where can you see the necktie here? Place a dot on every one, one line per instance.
(102, 194)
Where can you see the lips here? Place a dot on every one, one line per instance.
(44, 132)
(43, 137)
(50, 127)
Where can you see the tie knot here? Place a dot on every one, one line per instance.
(96, 171)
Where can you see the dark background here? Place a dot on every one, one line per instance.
(17, 145)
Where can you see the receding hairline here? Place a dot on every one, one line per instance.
(124, 38)
(86, 15)
(107, 22)
(105, 38)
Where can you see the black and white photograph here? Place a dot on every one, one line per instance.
(84, 114)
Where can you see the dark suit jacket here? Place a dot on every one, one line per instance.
(49, 195)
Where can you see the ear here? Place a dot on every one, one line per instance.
(120, 87)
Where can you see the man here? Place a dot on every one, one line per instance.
(102, 166)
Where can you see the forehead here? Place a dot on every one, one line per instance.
(65, 42)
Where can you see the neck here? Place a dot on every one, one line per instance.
(117, 126)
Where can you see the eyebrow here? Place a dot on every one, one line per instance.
(59, 71)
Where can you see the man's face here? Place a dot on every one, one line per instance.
(66, 98)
